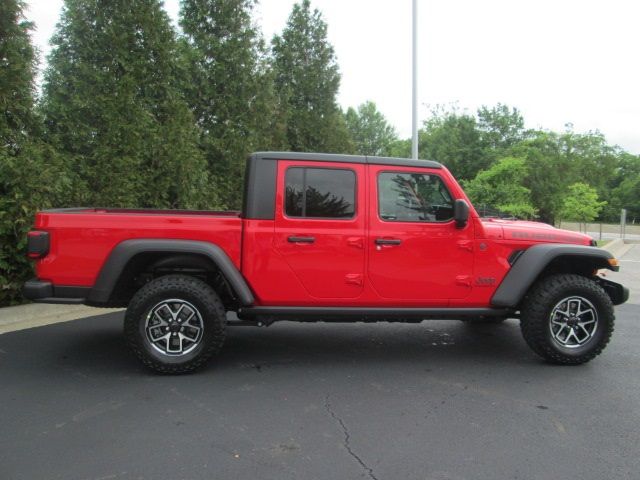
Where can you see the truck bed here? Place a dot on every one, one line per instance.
(81, 239)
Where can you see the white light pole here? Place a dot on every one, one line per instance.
(414, 138)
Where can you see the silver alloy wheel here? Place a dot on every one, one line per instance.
(174, 327)
(573, 322)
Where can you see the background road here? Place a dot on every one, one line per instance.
(439, 400)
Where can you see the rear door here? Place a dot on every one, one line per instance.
(416, 252)
(320, 226)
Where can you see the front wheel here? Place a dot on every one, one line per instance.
(175, 323)
(567, 319)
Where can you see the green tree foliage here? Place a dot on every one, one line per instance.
(501, 186)
(30, 174)
(626, 189)
(17, 64)
(557, 160)
(370, 131)
(112, 107)
(581, 203)
(592, 160)
(626, 196)
(470, 144)
(548, 172)
(501, 127)
(307, 79)
(400, 148)
(229, 89)
(455, 140)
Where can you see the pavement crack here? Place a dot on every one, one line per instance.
(347, 439)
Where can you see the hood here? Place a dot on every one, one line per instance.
(536, 232)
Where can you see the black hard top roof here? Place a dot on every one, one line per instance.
(334, 157)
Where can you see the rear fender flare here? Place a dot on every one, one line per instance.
(126, 250)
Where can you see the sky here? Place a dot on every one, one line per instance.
(557, 61)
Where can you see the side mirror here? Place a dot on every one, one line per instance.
(461, 213)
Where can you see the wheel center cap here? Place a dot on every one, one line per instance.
(174, 327)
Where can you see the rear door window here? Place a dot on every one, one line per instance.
(320, 193)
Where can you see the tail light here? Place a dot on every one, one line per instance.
(37, 244)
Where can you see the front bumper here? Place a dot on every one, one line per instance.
(40, 291)
(618, 293)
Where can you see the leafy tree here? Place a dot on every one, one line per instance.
(229, 89)
(592, 160)
(454, 139)
(548, 175)
(307, 81)
(627, 196)
(556, 160)
(622, 190)
(400, 148)
(370, 130)
(112, 107)
(581, 203)
(501, 127)
(31, 177)
(502, 187)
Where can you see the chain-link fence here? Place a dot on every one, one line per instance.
(604, 231)
(626, 228)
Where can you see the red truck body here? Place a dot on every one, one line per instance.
(436, 264)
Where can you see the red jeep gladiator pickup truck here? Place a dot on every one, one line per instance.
(331, 238)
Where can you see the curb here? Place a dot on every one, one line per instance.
(618, 247)
(33, 315)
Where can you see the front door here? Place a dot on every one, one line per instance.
(416, 253)
(319, 227)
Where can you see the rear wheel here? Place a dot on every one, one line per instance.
(175, 323)
(567, 319)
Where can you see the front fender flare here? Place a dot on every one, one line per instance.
(533, 261)
(126, 250)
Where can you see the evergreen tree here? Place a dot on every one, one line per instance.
(229, 88)
(112, 106)
(17, 65)
(307, 82)
(30, 174)
(370, 130)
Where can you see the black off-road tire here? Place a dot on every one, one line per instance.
(535, 321)
(193, 292)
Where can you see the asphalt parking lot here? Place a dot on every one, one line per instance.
(438, 400)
